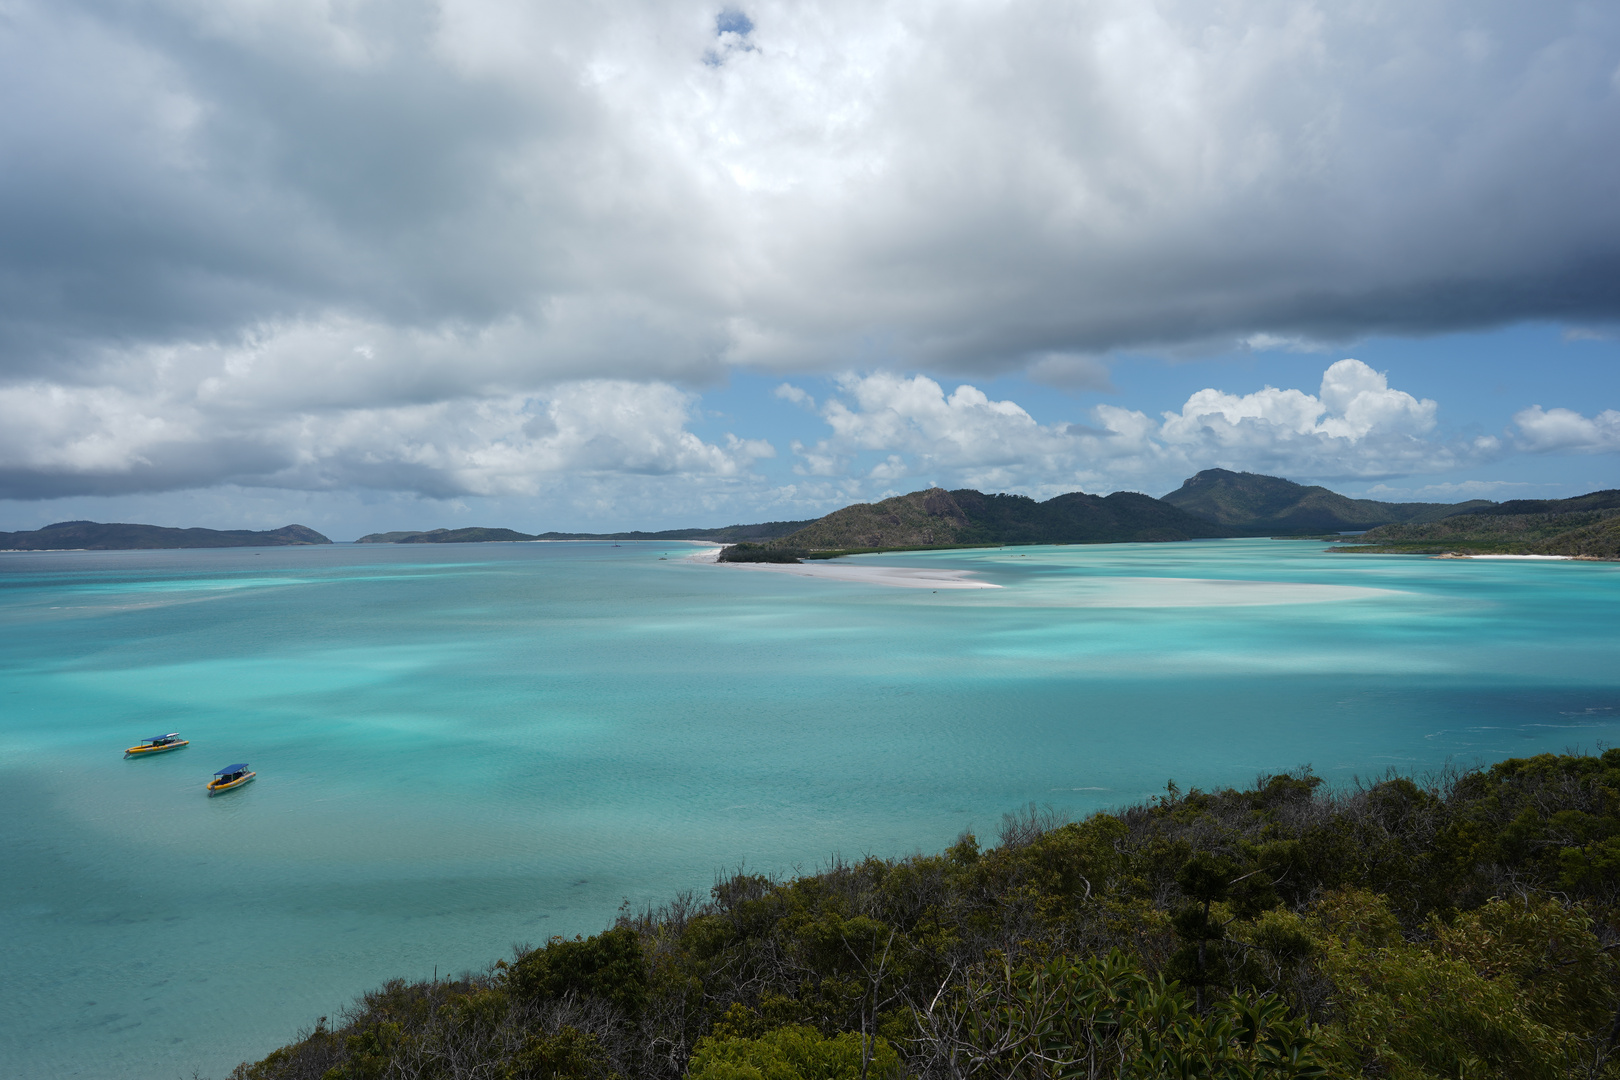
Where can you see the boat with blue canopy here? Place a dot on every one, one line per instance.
(230, 777)
(157, 744)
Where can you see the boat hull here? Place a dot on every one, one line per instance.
(218, 788)
(147, 751)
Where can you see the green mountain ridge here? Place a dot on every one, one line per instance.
(1215, 503)
(118, 536)
(1252, 504)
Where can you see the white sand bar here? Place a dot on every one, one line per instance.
(1565, 557)
(900, 577)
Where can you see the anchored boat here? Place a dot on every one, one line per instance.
(231, 776)
(157, 744)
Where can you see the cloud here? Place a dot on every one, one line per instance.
(796, 185)
(1496, 490)
(1567, 431)
(925, 432)
(56, 440)
(1068, 371)
(789, 392)
(1264, 342)
(1356, 426)
(315, 243)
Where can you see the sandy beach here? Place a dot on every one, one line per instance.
(899, 577)
(1564, 558)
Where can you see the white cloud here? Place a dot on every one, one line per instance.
(1356, 426)
(92, 439)
(1550, 430)
(925, 432)
(789, 392)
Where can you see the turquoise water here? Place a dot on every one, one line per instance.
(464, 747)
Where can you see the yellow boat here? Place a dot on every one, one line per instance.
(157, 744)
(231, 776)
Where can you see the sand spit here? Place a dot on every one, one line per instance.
(899, 577)
(708, 553)
(1457, 555)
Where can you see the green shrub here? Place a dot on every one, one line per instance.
(609, 966)
(795, 1052)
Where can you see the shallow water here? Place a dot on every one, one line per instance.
(463, 747)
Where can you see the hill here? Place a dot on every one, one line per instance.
(94, 536)
(1587, 526)
(1254, 505)
(731, 534)
(940, 518)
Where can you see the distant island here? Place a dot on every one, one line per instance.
(95, 536)
(1586, 527)
(1215, 503)
(729, 534)
(968, 518)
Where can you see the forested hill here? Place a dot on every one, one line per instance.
(1587, 526)
(938, 518)
(94, 536)
(1463, 926)
(1254, 505)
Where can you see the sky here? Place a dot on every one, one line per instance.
(587, 266)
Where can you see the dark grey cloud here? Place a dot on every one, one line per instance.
(239, 223)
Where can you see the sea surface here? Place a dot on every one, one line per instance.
(464, 747)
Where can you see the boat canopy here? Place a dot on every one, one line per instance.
(227, 770)
(161, 738)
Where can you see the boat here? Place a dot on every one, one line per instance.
(157, 744)
(231, 776)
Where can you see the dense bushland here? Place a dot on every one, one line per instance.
(1460, 926)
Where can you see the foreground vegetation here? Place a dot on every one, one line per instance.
(1459, 926)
